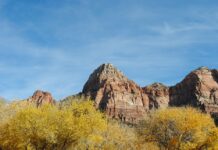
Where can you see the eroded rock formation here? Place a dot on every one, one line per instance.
(40, 97)
(158, 95)
(198, 89)
(123, 99)
(120, 97)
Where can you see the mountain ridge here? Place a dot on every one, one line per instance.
(123, 99)
(198, 89)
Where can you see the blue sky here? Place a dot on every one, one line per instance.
(54, 45)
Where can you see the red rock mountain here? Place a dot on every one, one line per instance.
(40, 97)
(120, 97)
(123, 99)
(158, 95)
(198, 89)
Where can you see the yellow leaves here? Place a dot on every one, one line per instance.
(50, 127)
(212, 139)
(78, 125)
(173, 142)
(188, 146)
(95, 138)
(119, 136)
(2, 102)
(87, 118)
(179, 128)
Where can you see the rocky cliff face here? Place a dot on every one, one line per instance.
(158, 95)
(120, 97)
(123, 99)
(198, 89)
(40, 97)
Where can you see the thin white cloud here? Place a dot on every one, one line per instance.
(84, 40)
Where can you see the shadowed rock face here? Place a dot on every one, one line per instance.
(120, 97)
(158, 95)
(40, 97)
(199, 88)
(215, 74)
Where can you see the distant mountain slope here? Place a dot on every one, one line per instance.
(40, 97)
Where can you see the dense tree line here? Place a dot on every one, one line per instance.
(78, 125)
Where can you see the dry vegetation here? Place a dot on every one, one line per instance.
(79, 126)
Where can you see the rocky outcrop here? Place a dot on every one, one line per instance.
(120, 97)
(158, 95)
(123, 99)
(198, 89)
(40, 97)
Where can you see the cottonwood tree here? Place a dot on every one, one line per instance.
(49, 127)
(179, 128)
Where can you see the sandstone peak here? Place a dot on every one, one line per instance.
(157, 85)
(107, 71)
(41, 97)
(203, 68)
(101, 74)
(123, 99)
(158, 95)
(114, 93)
(200, 87)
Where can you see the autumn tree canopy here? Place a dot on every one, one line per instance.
(78, 125)
(75, 126)
(179, 128)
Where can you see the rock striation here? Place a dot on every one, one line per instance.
(123, 99)
(158, 95)
(115, 94)
(198, 89)
(40, 97)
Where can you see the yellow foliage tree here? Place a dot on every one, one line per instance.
(119, 137)
(179, 128)
(77, 125)
(32, 128)
(100, 134)
(89, 123)
(2, 102)
(49, 127)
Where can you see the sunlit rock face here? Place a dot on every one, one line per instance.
(114, 93)
(158, 95)
(123, 99)
(40, 97)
